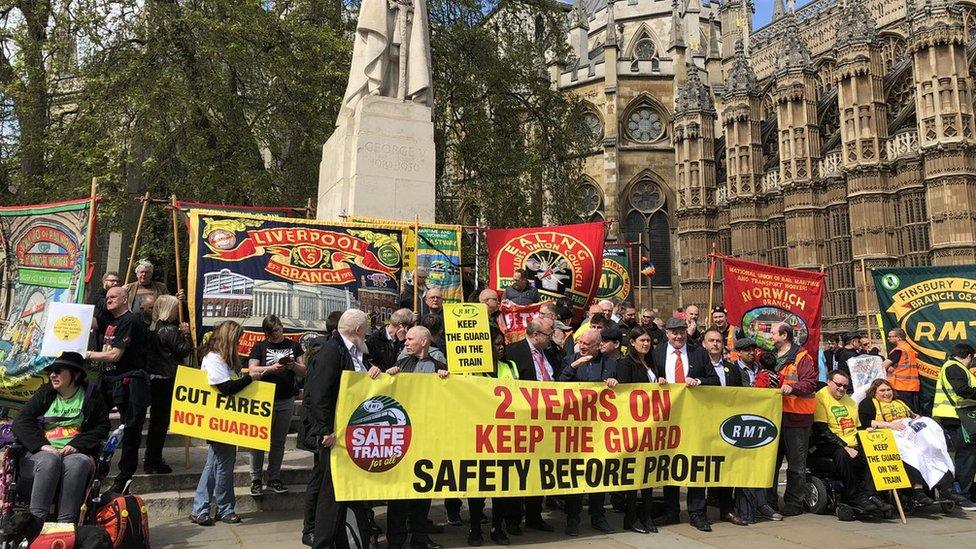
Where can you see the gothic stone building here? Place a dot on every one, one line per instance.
(838, 135)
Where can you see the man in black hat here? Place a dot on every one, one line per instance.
(678, 362)
(720, 321)
(611, 340)
(851, 349)
(745, 349)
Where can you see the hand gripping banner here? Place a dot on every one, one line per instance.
(563, 260)
(759, 296)
(402, 437)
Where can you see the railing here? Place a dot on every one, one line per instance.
(830, 165)
(902, 144)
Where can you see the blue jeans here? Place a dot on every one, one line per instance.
(217, 479)
(280, 421)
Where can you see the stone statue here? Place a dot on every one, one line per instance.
(391, 54)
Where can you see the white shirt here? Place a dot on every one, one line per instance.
(720, 370)
(535, 363)
(357, 357)
(651, 376)
(671, 359)
(217, 370)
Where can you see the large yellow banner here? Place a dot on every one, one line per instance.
(419, 436)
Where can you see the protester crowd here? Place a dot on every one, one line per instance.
(139, 341)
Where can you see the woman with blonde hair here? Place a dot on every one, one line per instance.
(222, 365)
(168, 344)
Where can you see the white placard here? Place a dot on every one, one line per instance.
(864, 370)
(67, 328)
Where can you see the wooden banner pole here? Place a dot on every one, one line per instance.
(416, 266)
(135, 240)
(711, 278)
(864, 286)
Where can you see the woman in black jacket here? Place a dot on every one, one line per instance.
(169, 345)
(62, 427)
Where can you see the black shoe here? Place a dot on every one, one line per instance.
(881, 504)
(770, 513)
(454, 518)
(202, 520)
(638, 527)
(649, 526)
(791, 511)
(425, 543)
(277, 487)
(700, 522)
(601, 524)
(514, 530)
(921, 498)
(475, 539)
(308, 539)
(257, 489)
(734, 519)
(864, 504)
(667, 520)
(540, 525)
(498, 536)
(572, 529)
(161, 468)
(229, 518)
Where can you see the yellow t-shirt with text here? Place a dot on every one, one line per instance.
(839, 415)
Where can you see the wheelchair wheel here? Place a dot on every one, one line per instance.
(845, 512)
(818, 496)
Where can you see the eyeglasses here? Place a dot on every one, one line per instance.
(57, 370)
(547, 334)
(839, 385)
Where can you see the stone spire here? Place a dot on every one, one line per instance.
(577, 17)
(611, 38)
(794, 53)
(741, 79)
(694, 95)
(856, 25)
(778, 9)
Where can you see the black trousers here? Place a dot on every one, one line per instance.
(130, 394)
(696, 501)
(400, 513)
(635, 510)
(574, 506)
(329, 513)
(160, 403)
(849, 470)
(529, 507)
(502, 510)
(312, 495)
(726, 499)
(794, 444)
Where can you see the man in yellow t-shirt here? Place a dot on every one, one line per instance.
(835, 424)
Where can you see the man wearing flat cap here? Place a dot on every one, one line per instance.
(745, 349)
(678, 362)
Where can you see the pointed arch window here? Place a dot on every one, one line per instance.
(591, 201)
(647, 223)
(594, 125)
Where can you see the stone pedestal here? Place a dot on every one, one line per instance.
(379, 163)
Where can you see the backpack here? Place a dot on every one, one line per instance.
(126, 521)
(359, 530)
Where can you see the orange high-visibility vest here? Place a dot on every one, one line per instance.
(905, 375)
(793, 403)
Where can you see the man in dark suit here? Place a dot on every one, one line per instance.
(343, 352)
(678, 362)
(537, 360)
(385, 345)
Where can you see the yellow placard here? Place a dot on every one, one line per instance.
(419, 436)
(884, 460)
(67, 327)
(199, 410)
(468, 338)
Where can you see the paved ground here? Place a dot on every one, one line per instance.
(283, 531)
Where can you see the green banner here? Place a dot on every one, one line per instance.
(935, 306)
(439, 251)
(615, 281)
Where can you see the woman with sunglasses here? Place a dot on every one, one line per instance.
(62, 427)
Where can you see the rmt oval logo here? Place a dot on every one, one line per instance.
(378, 434)
(748, 431)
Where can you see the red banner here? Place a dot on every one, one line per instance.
(561, 261)
(515, 319)
(759, 296)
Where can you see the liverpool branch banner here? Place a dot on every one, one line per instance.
(936, 306)
(246, 266)
(562, 261)
(44, 262)
(615, 278)
(759, 296)
(523, 439)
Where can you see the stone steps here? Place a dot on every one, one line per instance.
(171, 504)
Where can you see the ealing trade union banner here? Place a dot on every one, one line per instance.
(561, 261)
(615, 278)
(246, 266)
(759, 296)
(44, 262)
(523, 439)
(436, 248)
(935, 306)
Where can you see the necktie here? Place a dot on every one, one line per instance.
(679, 367)
(540, 365)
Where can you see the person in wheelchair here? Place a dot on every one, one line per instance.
(881, 410)
(835, 425)
(62, 427)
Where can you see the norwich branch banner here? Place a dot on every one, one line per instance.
(246, 266)
(936, 306)
(615, 280)
(563, 260)
(436, 248)
(394, 441)
(242, 419)
(44, 262)
(759, 296)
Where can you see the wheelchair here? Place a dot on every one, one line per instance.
(15, 492)
(824, 488)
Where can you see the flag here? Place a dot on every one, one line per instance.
(647, 267)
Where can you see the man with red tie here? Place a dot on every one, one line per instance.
(678, 362)
(537, 360)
